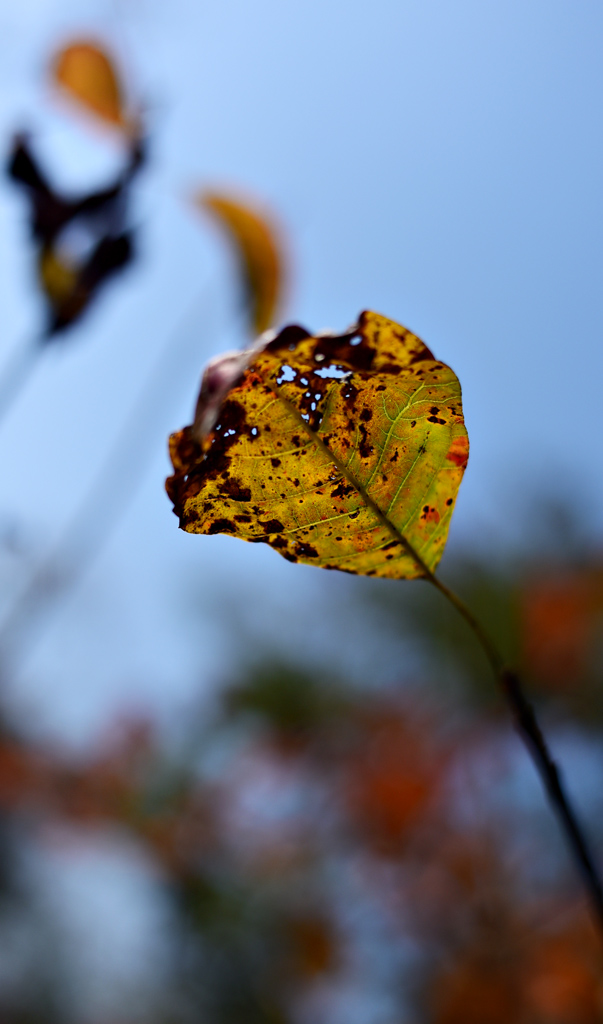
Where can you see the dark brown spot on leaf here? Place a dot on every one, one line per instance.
(365, 447)
(342, 490)
(272, 526)
(215, 462)
(289, 338)
(420, 356)
(305, 551)
(430, 515)
(349, 394)
(221, 526)
(234, 490)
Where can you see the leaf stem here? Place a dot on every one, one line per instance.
(527, 726)
(523, 713)
(112, 489)
(16, 372)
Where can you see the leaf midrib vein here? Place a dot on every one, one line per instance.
(394, 423)
(346, 472)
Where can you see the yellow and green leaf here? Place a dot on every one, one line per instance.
(342, 451)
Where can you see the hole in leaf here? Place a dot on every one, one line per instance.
(332, 370)
(287, 373)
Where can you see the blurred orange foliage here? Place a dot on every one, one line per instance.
(317, 792)
(392, 778)
(560, 615)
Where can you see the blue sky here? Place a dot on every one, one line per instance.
(438, 162)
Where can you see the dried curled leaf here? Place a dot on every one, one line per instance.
(259, 255)
(342, 451)
(87, 73)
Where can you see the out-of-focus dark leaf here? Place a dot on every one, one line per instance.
(259, 252)
(70, 274)
(289, 699)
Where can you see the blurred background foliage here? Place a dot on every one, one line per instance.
(340, 825)
(327, 848)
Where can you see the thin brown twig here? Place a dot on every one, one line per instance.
(103, 504)
(16, 372)
(523, 713)
(527, 725)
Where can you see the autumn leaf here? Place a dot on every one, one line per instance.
(88, 75)
(70, 281)
(342, 451)
(258, 250)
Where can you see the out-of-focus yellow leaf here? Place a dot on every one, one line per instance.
(328, 448)
(58, 278)
(259, 253)
(87, 73)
